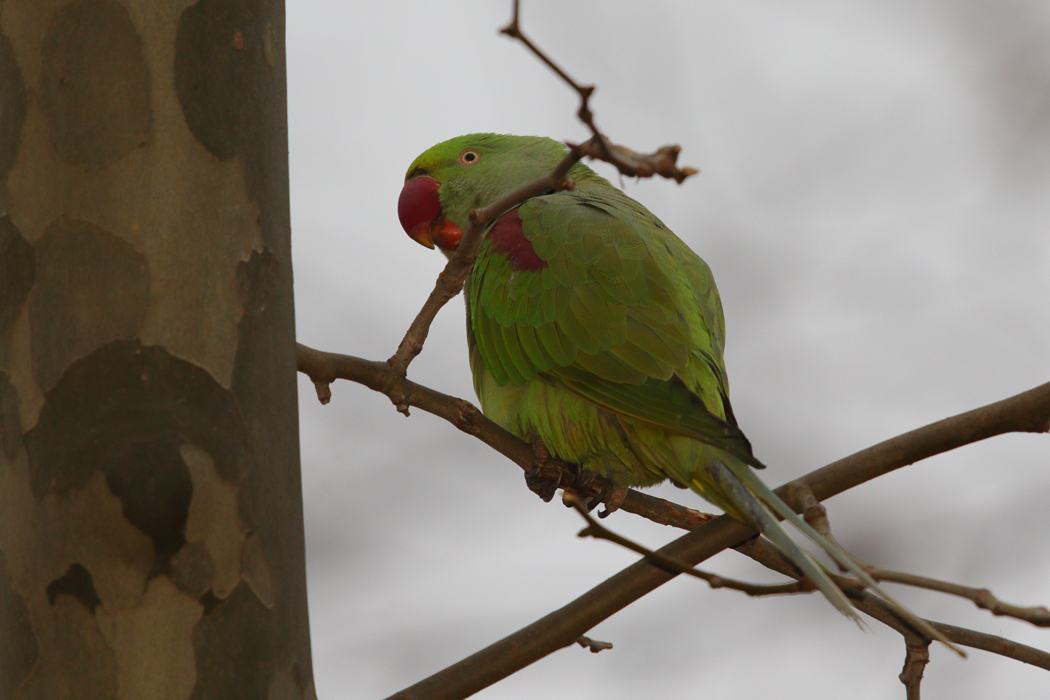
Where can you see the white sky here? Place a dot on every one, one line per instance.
(874, 204)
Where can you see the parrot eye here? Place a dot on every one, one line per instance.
(469, 157)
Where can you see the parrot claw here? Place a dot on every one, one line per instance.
(613, 499)
(543, 482)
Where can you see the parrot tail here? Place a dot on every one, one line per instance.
(758, 502)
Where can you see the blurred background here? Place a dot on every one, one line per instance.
(874, 200)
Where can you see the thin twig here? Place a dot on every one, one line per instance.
(325, 367)
(801, 498)
(661, 162)
(1025, 412)
(996, 645)
(982, 597)
(599, 531)
(450, 281)
(513, 30)
(1028, 412)
(915, 660)
(584, 113)
(880, 610)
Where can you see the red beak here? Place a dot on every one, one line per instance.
(419, 210)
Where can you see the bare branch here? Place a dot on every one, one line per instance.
(325, 367)
(915, 660)
(982, 597)
(996, 645)
(802, 499)
(599, 531)
(880, 610)
(661, 162)
(1027, 411)
(513, 30)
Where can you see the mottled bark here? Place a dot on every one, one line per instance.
(151, 540)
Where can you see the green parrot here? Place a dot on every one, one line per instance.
(595, 329)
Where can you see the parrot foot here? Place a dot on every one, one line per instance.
(546, 474)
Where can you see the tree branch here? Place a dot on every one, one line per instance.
(982, 597)
(880, 610)
(1028, 411)
(915, 660)
(598, 531)
(325, 367)
(996, 645)
(661, 162)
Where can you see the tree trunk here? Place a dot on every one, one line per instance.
(151, 537)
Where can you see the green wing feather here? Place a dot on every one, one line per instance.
(615, 317)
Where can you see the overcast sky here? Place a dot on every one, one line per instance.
(874, 201)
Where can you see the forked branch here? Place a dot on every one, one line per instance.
(663, 161)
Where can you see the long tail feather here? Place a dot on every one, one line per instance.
(753, 487)
(771, 528)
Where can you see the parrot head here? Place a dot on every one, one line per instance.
(450, 179)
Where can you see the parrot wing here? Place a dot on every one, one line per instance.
(591, 294)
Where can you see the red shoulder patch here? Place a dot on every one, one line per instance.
(507, 238)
